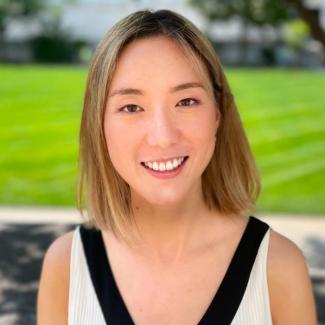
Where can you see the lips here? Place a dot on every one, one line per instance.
(165, 167)
(166, 174)
(164, 160)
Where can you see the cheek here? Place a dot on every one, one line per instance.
(204, 129)
(204, 135)
(121, 143)
(117, 141)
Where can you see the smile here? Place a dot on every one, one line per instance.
(168, 165)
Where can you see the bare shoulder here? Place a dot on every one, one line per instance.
(59, 250)
(291, 294)
(53, 291)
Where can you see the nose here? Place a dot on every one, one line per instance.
(163, 130)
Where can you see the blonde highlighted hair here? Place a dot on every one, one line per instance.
(231, 181)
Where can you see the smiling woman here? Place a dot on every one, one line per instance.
(170, 185)
(175, 117)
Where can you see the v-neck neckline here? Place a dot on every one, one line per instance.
(226, 299)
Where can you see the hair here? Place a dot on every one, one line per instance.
(230, 182)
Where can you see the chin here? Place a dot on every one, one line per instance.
(164, 199)
(165, 202)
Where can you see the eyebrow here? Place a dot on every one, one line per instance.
(134, 91)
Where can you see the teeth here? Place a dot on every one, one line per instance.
(155, 166)
(162, 167)
(169, 165)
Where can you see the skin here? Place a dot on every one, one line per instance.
(180, 237)
(166, 124)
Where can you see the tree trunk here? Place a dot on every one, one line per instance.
(311, 17)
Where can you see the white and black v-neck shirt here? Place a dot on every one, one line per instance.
(241, 299)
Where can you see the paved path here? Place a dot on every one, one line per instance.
(25, 234)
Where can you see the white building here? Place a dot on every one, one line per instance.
(91, 19)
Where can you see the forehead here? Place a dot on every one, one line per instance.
(155, 61)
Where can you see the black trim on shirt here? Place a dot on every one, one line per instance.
(226, 301)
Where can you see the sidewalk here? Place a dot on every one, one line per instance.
(26, 233)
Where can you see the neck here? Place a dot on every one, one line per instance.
(170, 232)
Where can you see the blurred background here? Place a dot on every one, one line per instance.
(273, 52)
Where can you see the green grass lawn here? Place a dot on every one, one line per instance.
(283, 112)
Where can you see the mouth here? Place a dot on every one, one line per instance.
(166, 166)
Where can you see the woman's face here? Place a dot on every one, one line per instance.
(158, 111)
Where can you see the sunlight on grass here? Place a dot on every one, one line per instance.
(282, 111)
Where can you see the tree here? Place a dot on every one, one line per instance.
(262, 12)
(311, 17)
(258, 13)
(17, 8)
(250, 12)
(52, 44)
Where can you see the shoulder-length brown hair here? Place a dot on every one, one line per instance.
(231, 181)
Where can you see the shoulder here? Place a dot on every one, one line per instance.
(59, 250)
(53, 292)
(291, 294)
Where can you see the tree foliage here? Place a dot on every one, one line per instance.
(311, 17)
(256, 12)
(18, 8)
(262, 12)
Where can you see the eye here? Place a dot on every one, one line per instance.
(188, 102)
(131, 108)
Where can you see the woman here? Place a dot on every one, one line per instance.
(170, 182)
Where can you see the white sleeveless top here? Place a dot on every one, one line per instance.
(84, 307)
